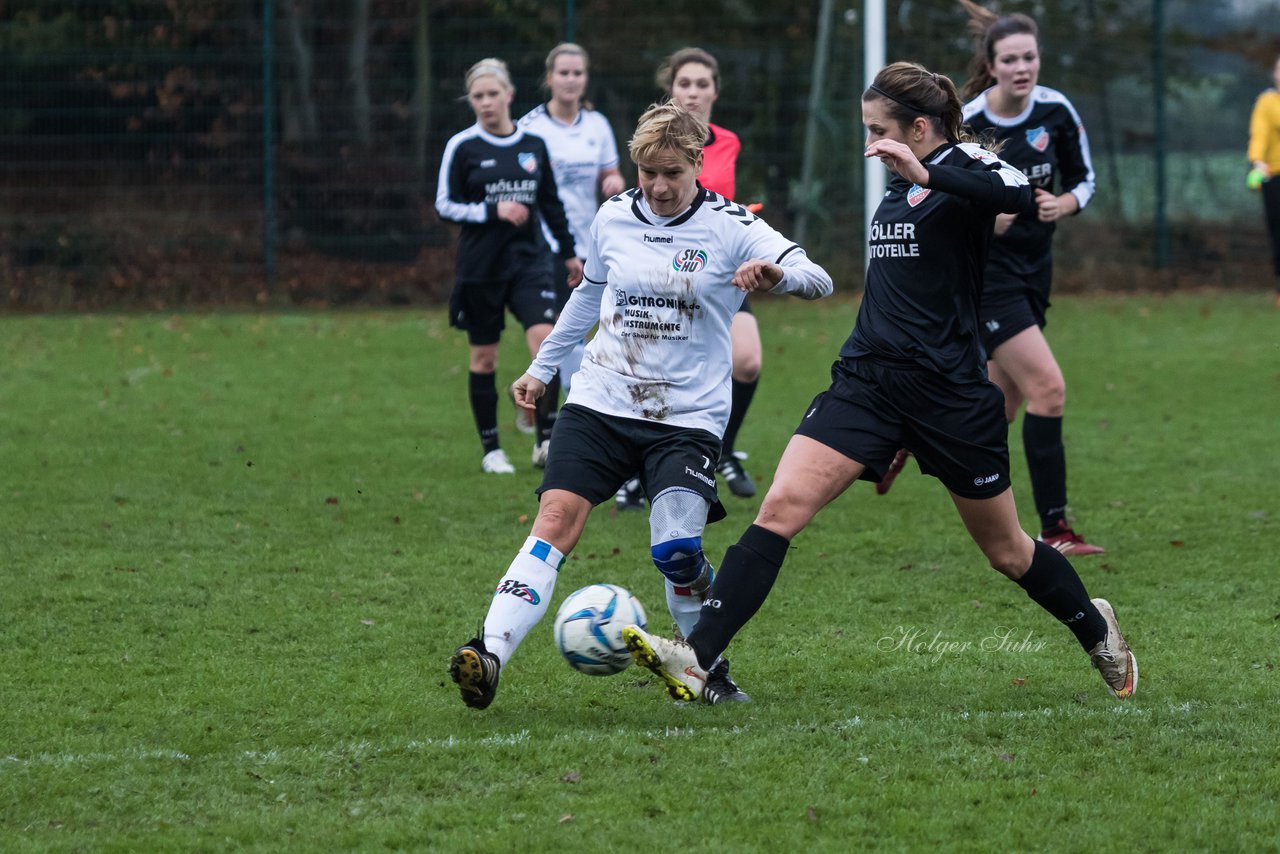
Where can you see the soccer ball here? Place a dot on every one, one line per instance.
(589, 626)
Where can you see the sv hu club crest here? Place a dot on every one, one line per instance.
(689, 261)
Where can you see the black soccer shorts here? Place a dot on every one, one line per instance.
(957, 432)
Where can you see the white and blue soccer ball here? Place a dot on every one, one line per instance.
(589, 626)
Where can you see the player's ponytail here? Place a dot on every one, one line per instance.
(987, 28)
(911, 91)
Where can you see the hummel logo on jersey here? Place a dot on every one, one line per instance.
(983, 481)
(1038, 138)
(689, 261)
(528, 161)
(518, 589)
(917, 194)
(659, 238)
(488, 164)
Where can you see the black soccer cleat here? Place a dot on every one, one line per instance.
(720, 688)
(736, 477)
(630, 496)
(476, 671)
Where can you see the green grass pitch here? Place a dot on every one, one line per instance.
(238, 550)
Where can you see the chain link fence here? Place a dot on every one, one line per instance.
(157, 153)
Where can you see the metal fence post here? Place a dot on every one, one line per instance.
(268, 145)
(1161, 148)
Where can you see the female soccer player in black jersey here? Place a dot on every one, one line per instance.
(496, 181)
(911, 375)
(1040, 132)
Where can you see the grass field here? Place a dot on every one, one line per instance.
(239, 550)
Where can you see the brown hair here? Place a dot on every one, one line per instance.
(987, 28)
(671, 127)
(912, 91)
(667, 72)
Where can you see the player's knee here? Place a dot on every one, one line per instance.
(746, 367)
(680, 559)
(676, 520)
(1048, 395)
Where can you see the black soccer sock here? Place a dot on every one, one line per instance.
(740, 587)
(484, 407)
(1047, 466)
(1052, 583)
(742, 394)
(548, 408)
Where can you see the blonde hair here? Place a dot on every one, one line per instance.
(567, 49)
(666, 76)
(490, 67)
(668, 127)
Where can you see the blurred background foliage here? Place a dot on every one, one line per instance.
(137, 170)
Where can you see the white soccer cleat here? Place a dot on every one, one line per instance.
(671, 661)
(1113, 658)
(496, 462)
(540, 452)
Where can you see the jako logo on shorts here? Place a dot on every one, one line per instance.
(689, 261)
(1038, 138)
(916, 195)
(518, 589)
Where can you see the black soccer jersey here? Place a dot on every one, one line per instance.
(927, 250)
(1048, 143)
(479, 170)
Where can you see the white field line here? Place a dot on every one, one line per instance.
(354, 750)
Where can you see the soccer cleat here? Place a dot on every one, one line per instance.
(630, 496)
(1113, 658)
(1068, 541)
(721, 688)
(895, 469)
(540, 451)
(735, 476)
(496, 462)
(476, 671)
(671, 661)
(524, 417)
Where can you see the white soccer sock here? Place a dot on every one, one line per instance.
(522, 597)
(684, 609)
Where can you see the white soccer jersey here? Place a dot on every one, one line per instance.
(662, 293)
(579, 153)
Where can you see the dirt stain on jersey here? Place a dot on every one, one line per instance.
(650, 399)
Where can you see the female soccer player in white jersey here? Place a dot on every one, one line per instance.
(667, 266)
(496, 180)
(584, 157)
(691, 78)
(1040, 133)
(911, 375)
